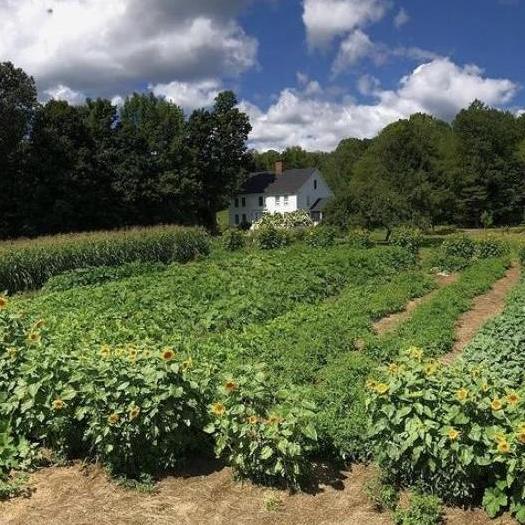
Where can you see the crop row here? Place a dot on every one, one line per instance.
(209, 296)
(25, 266)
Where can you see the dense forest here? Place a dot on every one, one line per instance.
(70, 168)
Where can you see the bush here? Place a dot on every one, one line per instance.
(270, 237)
(459, 246)
(25, 266)
(97, 276)
(491, 246)
(408, 238)
(291, 220)
(359, 238)
(458, 430)
(233, 239)
(321, 236)
(264, 436)
(383, 495)
(424, 509)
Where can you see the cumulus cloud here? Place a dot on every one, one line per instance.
(326, 19)
(104, 46)
(61, 92)
(439, 87)
(353, 49)
(401, 18)
(189, 95)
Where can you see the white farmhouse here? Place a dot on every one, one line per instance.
(280, 191)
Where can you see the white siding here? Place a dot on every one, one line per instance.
(308, 193)
(281, 203)
(251, 209)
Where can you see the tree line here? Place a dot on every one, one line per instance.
(95, 166)
(98, 166)
(424, 171)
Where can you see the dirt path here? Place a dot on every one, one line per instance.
(484, 308)
(389, 323)
(76, 496)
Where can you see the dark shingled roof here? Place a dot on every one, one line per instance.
(289, 182)
(257, 182)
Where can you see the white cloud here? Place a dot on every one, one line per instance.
(368, 85)
(61, 92)
(353, 49)
(401, 18)
(326, 19)
(440, 88)
(104, 46)
(189, 95)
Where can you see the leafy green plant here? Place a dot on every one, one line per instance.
(460, 245)
(491, 246)
(289, 221)
(383, 495)
(424, 509)
(264, 435)
(269, 237)
(359, 238)
(407, 237)
(321, 236)
(233, 239)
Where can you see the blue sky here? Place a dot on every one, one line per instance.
(308, 72)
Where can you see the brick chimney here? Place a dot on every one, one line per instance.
(279, 167)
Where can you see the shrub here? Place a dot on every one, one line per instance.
(424, 509)
(359, 238)
(270, 237)
(459, 246)
(491, 246)
(450, 263)
(100, 275)
(408, 238)
(265, 436)
(321, 236)
(291, 220)
(25, 266)
(233, 239)
(458, 430)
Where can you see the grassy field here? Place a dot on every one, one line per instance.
(263, 357)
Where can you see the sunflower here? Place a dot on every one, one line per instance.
(485, 387)
(12, 352)
(503, 447)
(134, 412)
(499, 437)
(393, 368)
(430, 369)
(113, 419)
(382, 388)
(218, 409)
(512, 399)
(133, 353)
(33, 337)
(186, 365)
(453, 434)
(371, 384)
(58, 404)
(415, 353)
(253, 420)
(462, 394)
(168, 354)
(274, 420)
(105, 351)
(230, 386)
(496, 405)
(3, 302)
(521, 437)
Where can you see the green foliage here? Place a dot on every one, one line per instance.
(408, 238)
(264, 435)
(460, 245)
(383, 495)
(269, 237)
(459, 430)
(321, 236)
(359, 238)
(233, 239)
(290, 221)
(424, 509)
(97, 276)
(28, 266)
(491, 246)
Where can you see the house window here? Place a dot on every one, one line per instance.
(278, 200)
(286, 200)
(236, 202)
(261, 201)
(244, 202)
(244, 221)
(315, 184)
(237, 219)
